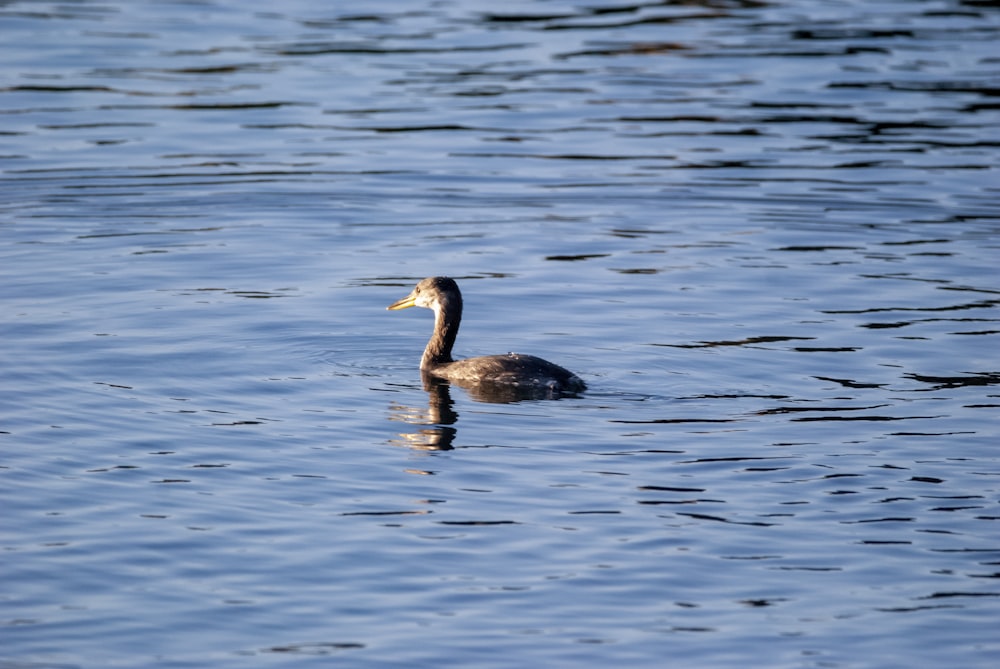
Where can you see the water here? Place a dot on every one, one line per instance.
(764, 234)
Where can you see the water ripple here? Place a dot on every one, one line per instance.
(737, 219)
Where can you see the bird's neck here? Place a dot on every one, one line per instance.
(446, 321)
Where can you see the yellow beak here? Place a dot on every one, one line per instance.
(405, 303)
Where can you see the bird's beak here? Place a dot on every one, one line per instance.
(405, 303)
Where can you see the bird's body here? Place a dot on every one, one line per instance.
(442, 296)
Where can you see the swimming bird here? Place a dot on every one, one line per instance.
(441, 295)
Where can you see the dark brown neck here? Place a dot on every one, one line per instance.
(447, 318)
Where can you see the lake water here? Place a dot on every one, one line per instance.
(766, 234)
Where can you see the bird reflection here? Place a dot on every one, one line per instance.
(438, 419)
(436, 431)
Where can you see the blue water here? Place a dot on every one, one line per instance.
(765, 235)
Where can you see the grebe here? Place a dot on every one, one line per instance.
(442, 296)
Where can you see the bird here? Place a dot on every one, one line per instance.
(529, 373)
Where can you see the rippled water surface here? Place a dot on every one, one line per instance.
(766, 234)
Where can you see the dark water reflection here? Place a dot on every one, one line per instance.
(765, 234)
(436, 424)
